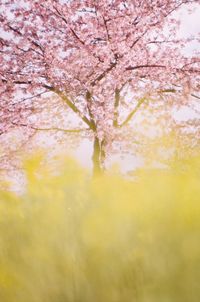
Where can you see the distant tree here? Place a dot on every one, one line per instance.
(105, 60)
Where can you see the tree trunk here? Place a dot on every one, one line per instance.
(96, 158)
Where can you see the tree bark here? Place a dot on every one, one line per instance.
(96, 158)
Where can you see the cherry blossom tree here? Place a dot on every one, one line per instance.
(104, 60)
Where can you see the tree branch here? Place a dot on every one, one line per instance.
(50, 129)
(17, 82)
(141, 101)
(74, 108)
(64, 98)
(145, 66)
(133, 112)
(116, 105)
(103, 74)
(195, 96)
(67, 23)
(88, 99)
(17, 31)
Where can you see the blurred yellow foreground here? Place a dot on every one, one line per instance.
(73, 239)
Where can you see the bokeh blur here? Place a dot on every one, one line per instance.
(73, 238)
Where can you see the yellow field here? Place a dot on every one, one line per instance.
(71, 239)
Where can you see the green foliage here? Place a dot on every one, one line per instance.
(70, 238)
